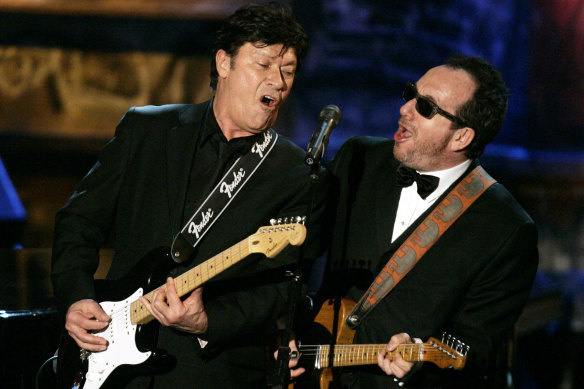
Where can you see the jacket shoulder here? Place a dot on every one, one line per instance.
(361, 152)
(506, 203)
(169, 114)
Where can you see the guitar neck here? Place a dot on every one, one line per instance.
(195, 277)
(365, 354)
(447, 353)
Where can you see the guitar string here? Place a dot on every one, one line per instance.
(356, 354)
(221, 256)
(204, 274)
(362, 354)
(222, 260)
(312, 350)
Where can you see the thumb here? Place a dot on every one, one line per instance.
(95, 311)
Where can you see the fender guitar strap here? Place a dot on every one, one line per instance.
(221, 196)
(419, 242)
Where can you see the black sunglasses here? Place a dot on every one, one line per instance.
(427, 108)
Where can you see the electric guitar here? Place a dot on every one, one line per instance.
(132, 331)
(446, 353)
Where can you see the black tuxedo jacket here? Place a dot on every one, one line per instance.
(135, 194)
(473, 283)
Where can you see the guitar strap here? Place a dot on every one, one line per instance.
(422, 238)
(221, 196)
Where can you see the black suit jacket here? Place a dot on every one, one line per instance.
(135, 194)
(473, 283)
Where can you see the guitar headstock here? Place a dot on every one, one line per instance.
(448, 353)
(270, 240)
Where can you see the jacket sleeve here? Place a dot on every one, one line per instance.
(84, 223)
(497, 295)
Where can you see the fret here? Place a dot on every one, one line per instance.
(138, 312)
(208, 268)
(448, 353)
(267, 240)
(322, 355)
(410, 352)
(182, 283)
(363, 354)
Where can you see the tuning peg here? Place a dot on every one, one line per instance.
(288, 220)
(462, 349)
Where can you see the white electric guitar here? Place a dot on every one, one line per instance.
(132, 332)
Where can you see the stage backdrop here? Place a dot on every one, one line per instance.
(70, 69)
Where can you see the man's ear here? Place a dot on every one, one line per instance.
(223, 63)
(462, 138)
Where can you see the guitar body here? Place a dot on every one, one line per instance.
(132, 348)
(132, 333)
(338, 351)
(328, 328)
(332, 316)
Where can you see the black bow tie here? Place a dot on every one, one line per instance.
(426, 183)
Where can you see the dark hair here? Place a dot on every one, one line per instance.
(267, 24)
(486, 110)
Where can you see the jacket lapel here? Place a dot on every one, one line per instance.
(387, 199)
(180, 151)
(390, 248)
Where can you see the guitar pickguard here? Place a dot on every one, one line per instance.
(132, 333)
(122, 349)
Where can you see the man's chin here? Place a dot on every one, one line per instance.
(398, 152)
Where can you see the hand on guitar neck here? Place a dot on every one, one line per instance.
(395, 358)
(118, 337)
(167, 307)
(391, 360)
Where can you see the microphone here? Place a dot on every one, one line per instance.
(329, 117)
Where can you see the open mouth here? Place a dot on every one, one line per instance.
(268, 101)
(402, 134)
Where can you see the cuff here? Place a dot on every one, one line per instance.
(202, 342)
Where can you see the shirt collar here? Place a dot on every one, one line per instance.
(211, 128)
(447, 178)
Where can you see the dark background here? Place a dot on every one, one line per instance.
(362, 52)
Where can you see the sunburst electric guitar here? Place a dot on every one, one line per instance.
(132, 332)
(446, 353)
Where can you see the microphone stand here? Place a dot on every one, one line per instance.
(279, 377)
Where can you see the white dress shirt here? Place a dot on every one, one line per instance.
(411, 205)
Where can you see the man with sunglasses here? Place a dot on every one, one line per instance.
(474, 280)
